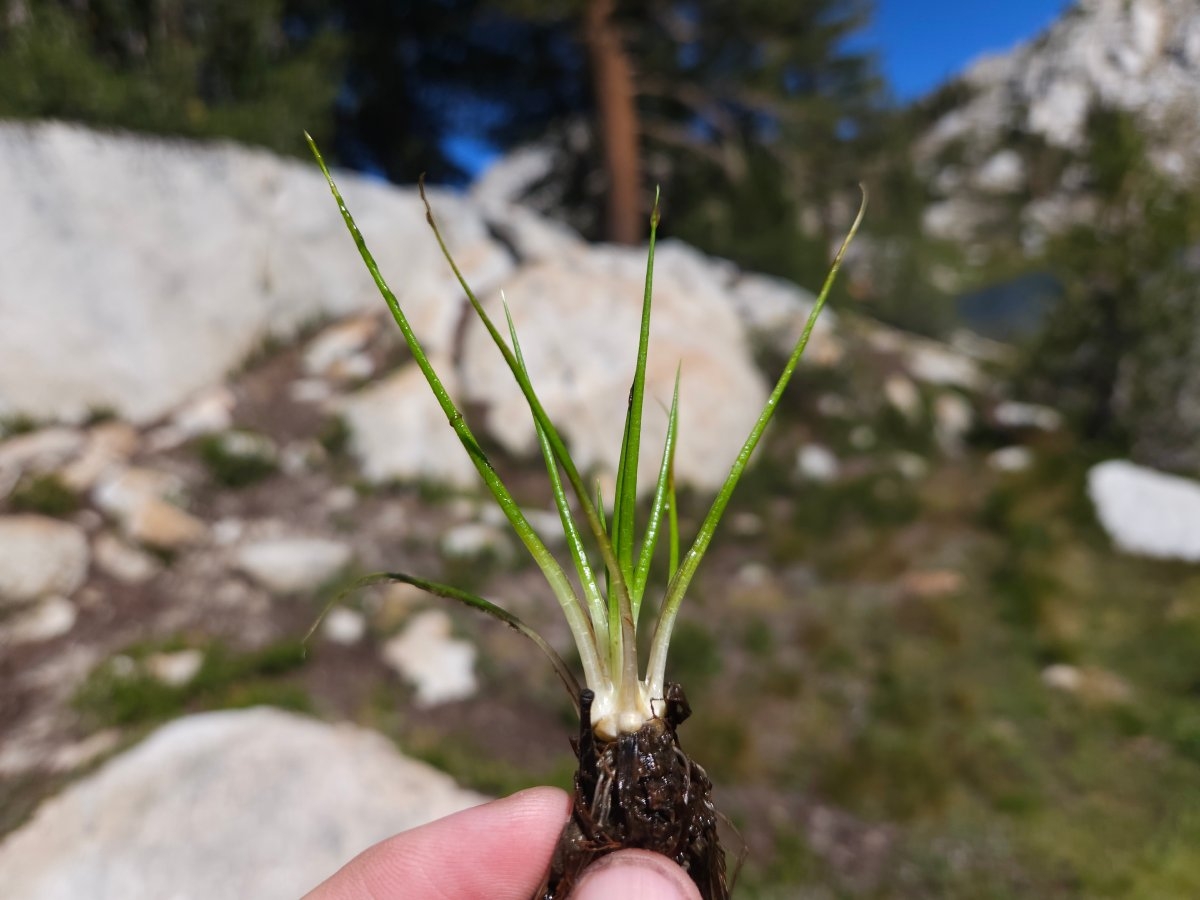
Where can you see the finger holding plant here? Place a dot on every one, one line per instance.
(635, 787)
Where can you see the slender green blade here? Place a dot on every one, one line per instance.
(580, 626)
(642, 572)
(587, 578)
(623, 647)
(673, 521)
(627, 474)
(656, 668)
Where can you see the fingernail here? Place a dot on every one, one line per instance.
(635, 875)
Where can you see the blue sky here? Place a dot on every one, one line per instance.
(920, 43)
(923, 42)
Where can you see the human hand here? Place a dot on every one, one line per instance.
(498, 851)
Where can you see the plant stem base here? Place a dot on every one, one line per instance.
(639, 791)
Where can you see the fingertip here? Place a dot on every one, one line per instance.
(635, 875)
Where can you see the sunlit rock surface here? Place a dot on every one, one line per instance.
(253, 803)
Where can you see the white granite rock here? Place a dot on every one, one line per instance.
(40, 556)
(109, 445)
(398, 431)
(250, 803)
(38, 452)
(224, 245)
(49, 618)
(441, 667)
(292, 564)
(137, 498)
(775, 311)
(578, 326)
(1147, 512)
(123, 562)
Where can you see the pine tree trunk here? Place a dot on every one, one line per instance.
(612, 81)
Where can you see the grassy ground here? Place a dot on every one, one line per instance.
(867, 660)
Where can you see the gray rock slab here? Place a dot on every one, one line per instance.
(249, 803)
(138, 271)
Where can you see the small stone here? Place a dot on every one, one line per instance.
(136, 498)
(1014, 414)
(1092, 684)
(440, 667)
(1010, 459)
(119, 560)
(340, 499)
(338, 343)
(904, 396)
(228, 531)
(40, 556)
(358, 367)
(109, 444)
(158, 523)
(38, 451)
(344, 626)
(50, 618)
(474, 539)
(177, 668)
(816, 463)
(930, 583)
(310, 390)
(291, 565)
(207, 413)
(952, 418)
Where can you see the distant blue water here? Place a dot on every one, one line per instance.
(1011, 310)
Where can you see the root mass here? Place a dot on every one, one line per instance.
(639, 791)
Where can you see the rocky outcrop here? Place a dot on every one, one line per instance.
(254, 803)
(1141, 57)
(139, 271)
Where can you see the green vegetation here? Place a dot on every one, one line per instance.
(44, 494)
(236, 459)
(225, 69)
(125, 691)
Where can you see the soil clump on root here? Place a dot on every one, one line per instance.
(640, 791)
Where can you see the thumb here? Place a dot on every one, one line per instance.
(635, 875)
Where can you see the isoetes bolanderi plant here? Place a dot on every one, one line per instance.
(635, 787)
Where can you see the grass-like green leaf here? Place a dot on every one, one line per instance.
(661, 499)
(656, 668)
(577, 620)
(622, 642)
(587, 577)
(627, 468)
